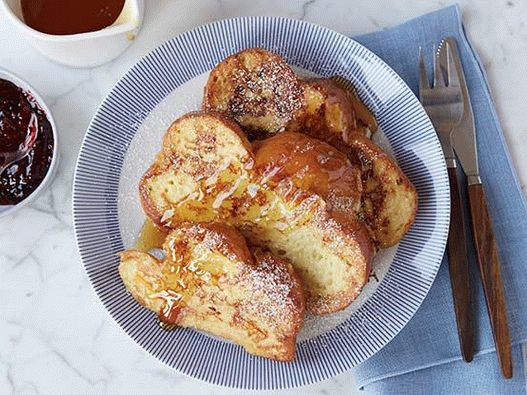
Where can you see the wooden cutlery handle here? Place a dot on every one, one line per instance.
(489, 266)
(459, 269)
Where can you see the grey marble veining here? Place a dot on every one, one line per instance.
(55, 337)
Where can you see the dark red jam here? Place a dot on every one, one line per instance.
(20, 116)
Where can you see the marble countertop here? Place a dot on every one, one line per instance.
(55, 337)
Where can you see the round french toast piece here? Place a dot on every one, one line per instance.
(331, 112)
(256, 88)
(219, 182)
(312, 165)
(292, 162)
(210, 280)
(201, 153)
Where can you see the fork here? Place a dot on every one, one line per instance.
(443, 103)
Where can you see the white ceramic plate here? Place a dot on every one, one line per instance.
(125, 135)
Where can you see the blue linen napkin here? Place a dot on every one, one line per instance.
(425, 356)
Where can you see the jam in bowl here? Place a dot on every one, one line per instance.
(27, 143)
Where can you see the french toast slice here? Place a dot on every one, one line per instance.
(206, 172)
(389, 200)
(314, 166)
(210, 280)
(372, 189)
(256, 88)
(328, 113)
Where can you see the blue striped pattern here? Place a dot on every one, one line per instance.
(323, 52)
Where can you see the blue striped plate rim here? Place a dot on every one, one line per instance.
(321, 51)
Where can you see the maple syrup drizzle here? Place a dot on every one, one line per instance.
(150, 237)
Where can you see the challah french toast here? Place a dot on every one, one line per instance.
(389, 200)
(206, 172)
(314, 166)
(328, 112)
(210, 280)
(257, 89)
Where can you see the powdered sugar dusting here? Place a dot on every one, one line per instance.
(271, 287)
(263, 89)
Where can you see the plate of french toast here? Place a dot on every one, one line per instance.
(261, 203)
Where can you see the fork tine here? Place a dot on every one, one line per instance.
(453, 78)
(446, 61)
(443, 58)
(439, 80)
(423, 77)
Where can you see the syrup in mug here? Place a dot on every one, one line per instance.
(70, 16)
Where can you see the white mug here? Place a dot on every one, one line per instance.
(84, 49)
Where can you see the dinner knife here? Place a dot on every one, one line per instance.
(463, 139)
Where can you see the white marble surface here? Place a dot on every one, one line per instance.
(55, 337)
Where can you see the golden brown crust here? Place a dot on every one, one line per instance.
(256, 88)
(144, 197)
(389, 201)
(211, 281)
(366, 122)
(328, 114)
